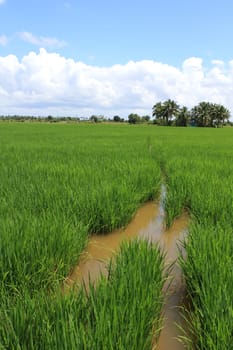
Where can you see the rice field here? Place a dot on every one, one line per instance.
(198, 167)
(61, 183)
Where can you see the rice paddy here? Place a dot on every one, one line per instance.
(62, 183)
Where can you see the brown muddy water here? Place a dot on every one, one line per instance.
(148, 223)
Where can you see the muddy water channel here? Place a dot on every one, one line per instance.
(148, 223)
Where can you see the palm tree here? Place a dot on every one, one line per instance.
(171, 108)
(209, 114)
(165, 111)
(220, 114)
(157, 111)
(183, 117)
(202, 114)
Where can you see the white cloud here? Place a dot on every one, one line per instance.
(218, 62)
(41, 41)
(3, 39)
(2, 2)
(46, 83)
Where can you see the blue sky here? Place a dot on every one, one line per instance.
(107, 33)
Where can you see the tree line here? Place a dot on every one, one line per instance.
(167, 113)
(205, 114)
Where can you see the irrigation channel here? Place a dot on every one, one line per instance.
(148, 223)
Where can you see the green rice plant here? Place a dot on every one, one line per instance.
(125, 310)
(59, 184)
(32, 252)
(209, 278)
(44, 322)
(198, 176)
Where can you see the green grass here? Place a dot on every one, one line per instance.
(119, 314)
(198, 168)
(60, 183)
(126, 308)
(209, 277)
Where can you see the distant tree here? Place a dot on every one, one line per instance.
(49, 118)
(94, 119)
(134, 118)
(157, 112)
(145, 118)
(207, 114)
(183, 117)
(164, 112)
(229, 123)
(116, 118)
(220, 115)
(201, 115)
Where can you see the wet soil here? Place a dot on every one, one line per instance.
(101, 248)
(148, 223)
(174, 287)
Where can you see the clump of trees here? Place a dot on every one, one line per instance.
(97, 118)
(101, 118)
(165, 112)
(205, 114)
(209, 114)
(48, 119)
(136, 119)
(118, 119)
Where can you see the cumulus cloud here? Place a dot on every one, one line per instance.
(218, 62)
(41, 41)
(3, 39)
(47, 83)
